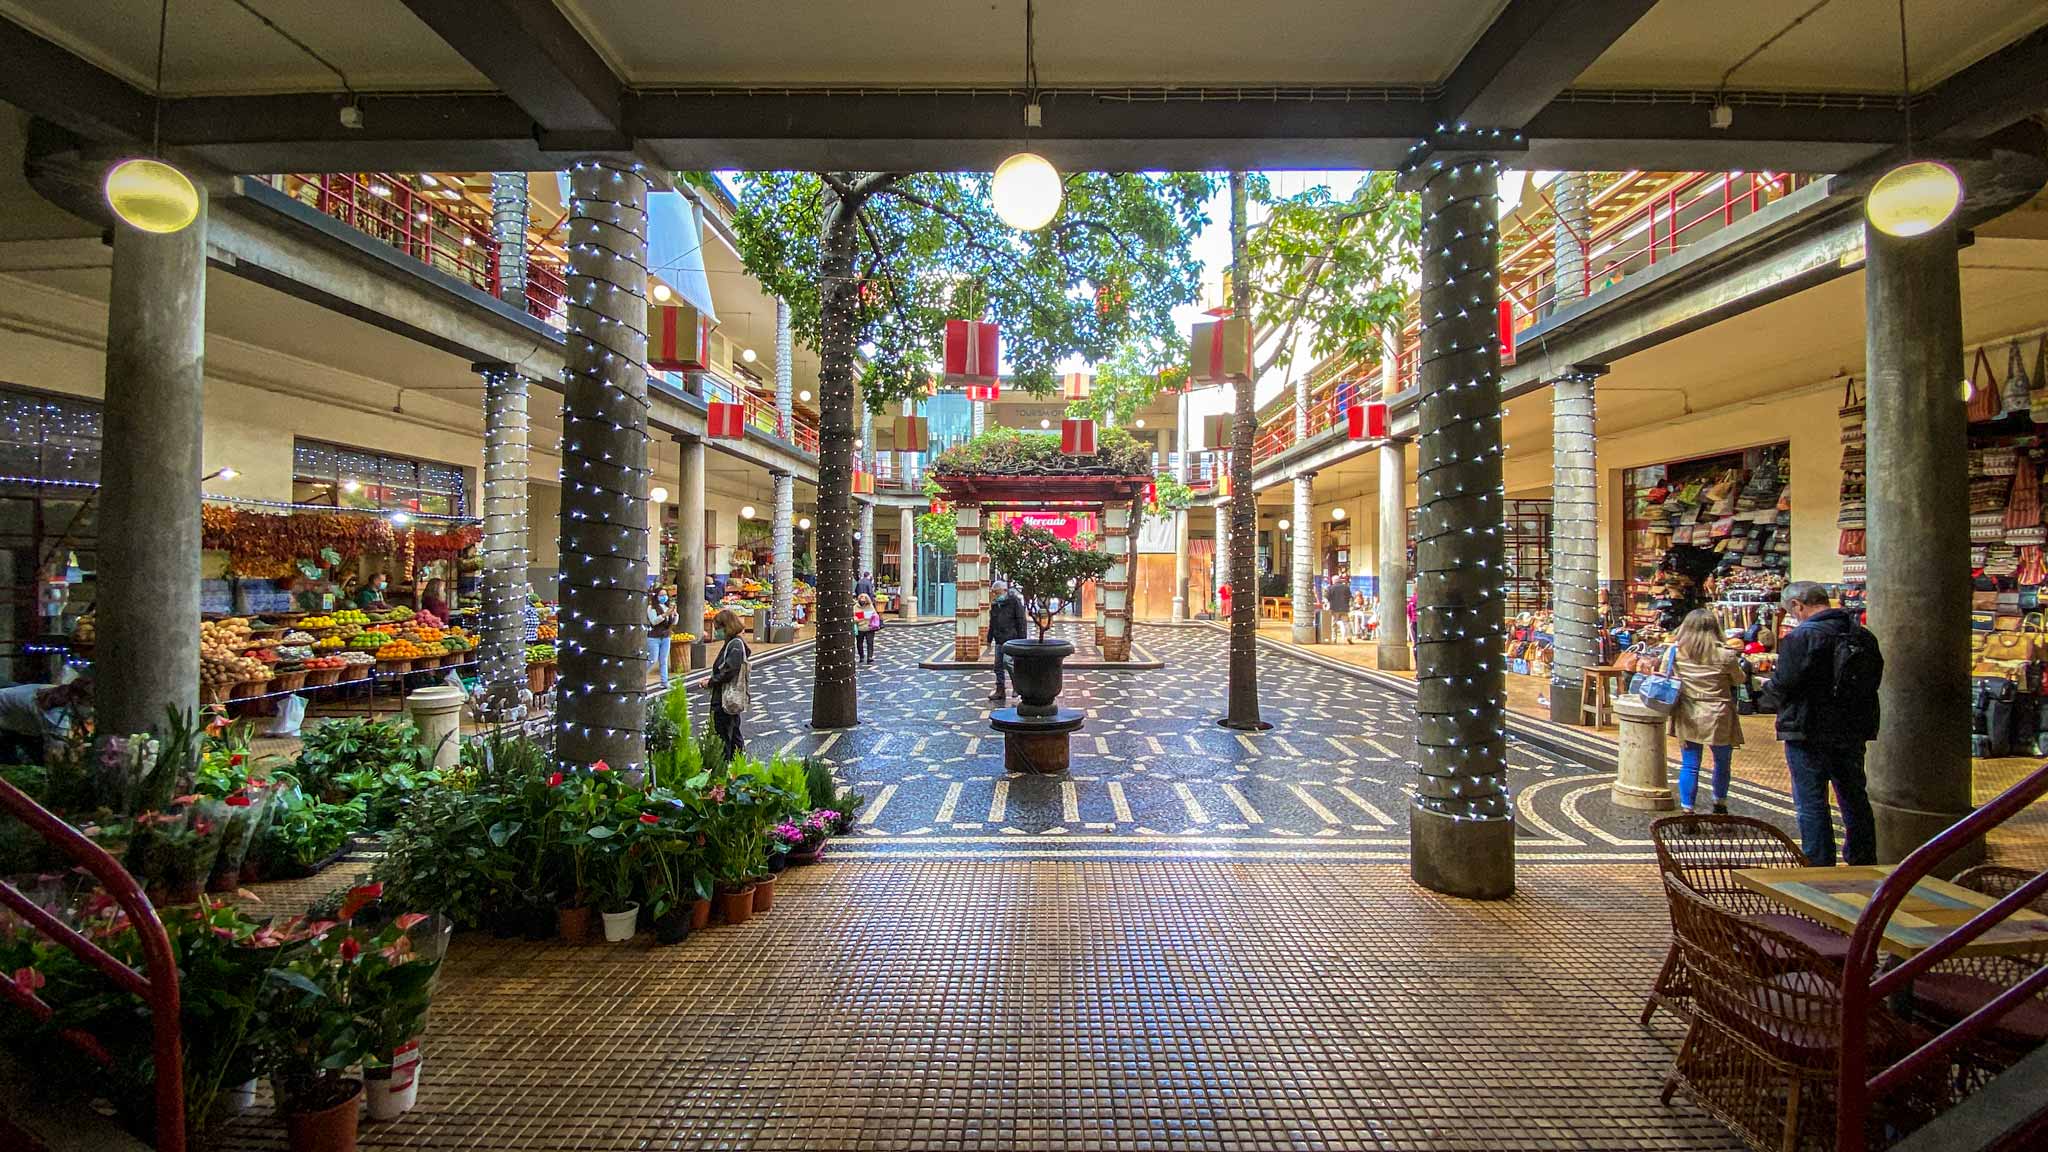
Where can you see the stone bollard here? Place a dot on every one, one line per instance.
(437, 713)
(1640, 780)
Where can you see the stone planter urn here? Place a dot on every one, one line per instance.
(1035, 668)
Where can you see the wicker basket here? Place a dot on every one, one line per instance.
(358, 671)
(213, 693)
(248, 688)
(322, 677)
(288, 682)
(394, 667)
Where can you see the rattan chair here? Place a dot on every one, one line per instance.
(1704, 852)
(1763, 1048)
(2000, 880)
(1958, 986)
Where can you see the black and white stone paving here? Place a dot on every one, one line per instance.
(1153, 773)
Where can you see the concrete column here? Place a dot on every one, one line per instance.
(1918, 524)
(1392, 546)
(785, 371)
(509, 208)
(502, 662)
(149, 478)
(1461, 828)
(1180, 564)
(603, 655)
(968, 568)
(783, 539)
(1222, 551)
(690, 537)
(906, 560)
(1115, 609)
(1301, 567)
(1570, 194)
(867, 537)
(1575, 544)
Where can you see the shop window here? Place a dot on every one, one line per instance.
(1527, 544)
(341, 477)
(1706, 530)
(49, 526)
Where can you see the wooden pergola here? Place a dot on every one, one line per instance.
(1116, 498)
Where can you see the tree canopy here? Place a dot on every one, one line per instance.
(1343, 268)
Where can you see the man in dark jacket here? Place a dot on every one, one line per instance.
(1005, 622)
(1826, 683)
(1337, 598)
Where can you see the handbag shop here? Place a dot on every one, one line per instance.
(1713, 531)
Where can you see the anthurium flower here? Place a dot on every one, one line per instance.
(600, 766)
(350, 948)
(649, 818)
(235, 761)
(358, 898)
(406, 922)
(555, 781)
(237, 800)
(28, 979)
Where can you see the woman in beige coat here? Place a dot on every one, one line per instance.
(1708, 672)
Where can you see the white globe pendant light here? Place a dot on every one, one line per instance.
(152, 196)
(1026, 192)
(1913, 199)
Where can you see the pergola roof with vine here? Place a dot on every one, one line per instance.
(1036, 490)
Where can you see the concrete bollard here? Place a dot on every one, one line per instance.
(437, 713)
(1641, 780)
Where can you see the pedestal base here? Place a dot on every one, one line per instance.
(1900, 830)
(1641, 773)
(1470, 858)
(1035, 744)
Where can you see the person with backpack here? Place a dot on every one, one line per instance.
(728, 685)
(1829, 669)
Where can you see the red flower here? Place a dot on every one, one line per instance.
(91, 1046)
(406, 922)
(235, 761)
(28, 979)
(350, 948)
(555, 781)
(359, 897)
(649, 818)
(600, 766)
(238, 800)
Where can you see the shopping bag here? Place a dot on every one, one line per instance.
(1659, 690)
(291, 712)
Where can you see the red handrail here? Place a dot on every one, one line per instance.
(159, 989)
(1861, 992)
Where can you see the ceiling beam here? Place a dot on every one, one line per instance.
(1532, 51)
(2007, 86)
(51, 82)
(534, 56)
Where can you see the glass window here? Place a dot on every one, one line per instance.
(49, 527)
(351, 478)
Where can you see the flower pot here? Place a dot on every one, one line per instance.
(331, 1129)
(673, 926)
(242, 1097)
(393, 1089)
(808, 855)
(700, 915)
(778, 861)
(573, 924)
(620, 926)
(736, 903)
(764, 893)
(1035, 668)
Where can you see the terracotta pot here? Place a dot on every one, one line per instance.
(737, 905)
(700, 915)
(331, 1129)
(573, 924)
(764, 893)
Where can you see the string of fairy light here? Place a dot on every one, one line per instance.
(506, 445)
(1460, 590)
(602, 637)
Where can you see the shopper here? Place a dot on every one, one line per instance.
(435, 600)
(1826, 682)
(730, 694)
(1708, 671)
(866, 622)
(1005, 622)
(661, 626)
(1223, 601)
(865, 586)
(1337, 598)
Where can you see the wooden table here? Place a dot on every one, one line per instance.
(1934, 908)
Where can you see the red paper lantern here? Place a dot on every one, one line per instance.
(973, 351)
(726, 421)
(1077, 437)
(678, 338)
(1507, 332)
(1367, 421)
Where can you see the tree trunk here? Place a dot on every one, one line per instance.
(1244, 515)
(835, 702)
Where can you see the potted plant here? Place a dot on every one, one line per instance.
(804, 840)
(396, 976)
(672, 857)
(1047, 571)
(591, 805)
(312, 1035)
(618, 878)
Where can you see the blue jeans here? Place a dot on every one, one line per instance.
(1813, 767)
(657, 655)
(1689, 772)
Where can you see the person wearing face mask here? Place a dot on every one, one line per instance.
(661, 624)
(730, 693)
(370, 597)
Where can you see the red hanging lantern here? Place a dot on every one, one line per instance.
(1151, 493)
(726, 421)
(984, 391)
(1077, 437)
(1367, 421)
(973, 351)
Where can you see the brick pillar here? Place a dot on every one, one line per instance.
(1115, 606)
(971, 572)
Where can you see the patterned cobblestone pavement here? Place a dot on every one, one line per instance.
(1152, 772)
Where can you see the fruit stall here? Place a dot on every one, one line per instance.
(247, 661)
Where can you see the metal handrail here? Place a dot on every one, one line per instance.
(1862, 991)
(158, 989)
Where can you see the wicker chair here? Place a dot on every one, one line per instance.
(1959, 986)
(1704, 852)
(2000, 880)
(1762, 1052)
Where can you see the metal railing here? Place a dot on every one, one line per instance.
(158, 988)
(760, 411)
(1864, 988)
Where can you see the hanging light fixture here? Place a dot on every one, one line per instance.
(749, 355)
(1027, 188)
(1336, 513)
(145, 192)
(1917, 196)
(747, 513)
(659, 495)
(804, 523)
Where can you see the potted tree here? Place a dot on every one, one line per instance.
(1047, 572)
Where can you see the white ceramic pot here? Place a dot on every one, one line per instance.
(620, 926)
(392, 1090)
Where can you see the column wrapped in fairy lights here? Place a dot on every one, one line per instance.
(968, 576)
(503, 651)
(603, 639)
(1461, 823)
(1303, 566)
(867, 537)
(1575, 543)
(1221, 552)
(784, 525)
(509, 209)
(1113, 606)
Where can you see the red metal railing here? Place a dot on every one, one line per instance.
(158, 989)
(1863, 988)
(416, 221)
(760, 411)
